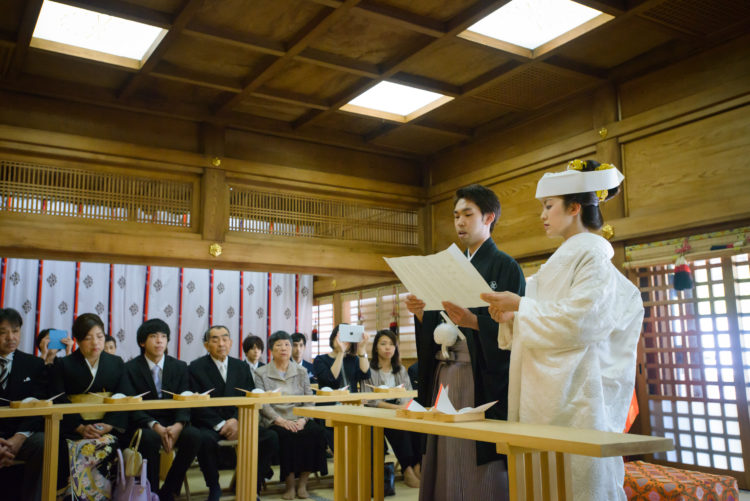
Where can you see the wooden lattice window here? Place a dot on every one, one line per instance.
(694, 364)
(292, 215)
(109, 196)
(323, 321)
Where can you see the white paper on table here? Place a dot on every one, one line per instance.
(445, 276)
(415, 406)
(443, 404)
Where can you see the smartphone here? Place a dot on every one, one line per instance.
(55, 336)
(351, 333)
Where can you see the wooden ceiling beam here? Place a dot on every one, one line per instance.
(180, 22)
(169, 71)
(279, 128)
(124, 10)
(405, 19)
(611, 7)
(241, 40)
(339, 63)
(290, 98)
(582, 68)
(23, 37)
(427, 84)
(315, 28)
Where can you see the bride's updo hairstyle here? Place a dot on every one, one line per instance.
(591, 216)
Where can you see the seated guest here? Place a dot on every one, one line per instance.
(110, 345)
(386, 369)
(221, 373)
(21, 376)
(299, 341)
(154, 371)
(253, 348)
(42, 344)
(301, 440)
(89, 441)
(413, 371)
(346, 365)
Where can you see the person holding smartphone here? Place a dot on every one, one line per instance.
(346, 365)
(49, 342)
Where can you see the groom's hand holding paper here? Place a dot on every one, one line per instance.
(447, 276)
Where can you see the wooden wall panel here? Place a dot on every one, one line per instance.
(703, 161)
(566, 121)
(324, 159)
(688, 77)
(96, 122)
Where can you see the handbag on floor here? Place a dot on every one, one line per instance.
(389, 476)
(132, 458)
(132, 488)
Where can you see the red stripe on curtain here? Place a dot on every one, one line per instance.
(77, 290)
(109, 299)
(210, 297)
(268, 318)
(3, 267)
(296, 303)
(179, 316)
(242, 302)
(38, 302)
(145, 293)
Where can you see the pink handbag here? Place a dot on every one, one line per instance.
(132, 488)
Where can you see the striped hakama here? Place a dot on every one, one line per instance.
(449, 467)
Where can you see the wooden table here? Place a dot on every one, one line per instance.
(247, 444)
(538, 455)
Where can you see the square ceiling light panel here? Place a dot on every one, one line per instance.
(395, 102)
(92, 35)
(532, 27)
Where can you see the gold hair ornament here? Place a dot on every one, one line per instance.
(579, 165)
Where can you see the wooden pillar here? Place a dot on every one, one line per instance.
(51, 447)
(214, 205)
(247, 453)
(337, 310)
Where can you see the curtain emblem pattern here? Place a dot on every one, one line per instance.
(52, 279)
(305, 291)
(278, 290)
(168, 310)
(88, 281)
(200, 311)
(220, 288)
(288, 313)
(121, 282)
(26, 306)
(158, 285)
(190, 287)
(250, 289)
(133, 309)
(230, 312)
(15, 278)
(259, 312)
(99, 308)
(63, 307)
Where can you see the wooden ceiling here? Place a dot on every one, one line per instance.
(284, 67)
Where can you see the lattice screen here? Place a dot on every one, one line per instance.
(696, 362)
(109, 196)
(305, 216)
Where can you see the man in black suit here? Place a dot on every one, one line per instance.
(153, 372)
(299, 342)
(223, 374)
(21, 376)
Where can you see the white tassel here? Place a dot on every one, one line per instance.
(447, 334)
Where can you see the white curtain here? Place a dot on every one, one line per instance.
(195, 289)
(254, 306)
(239, 301)
(164, 300)
(128, 292)
(282, 302)
(226, 304)
(93, 290)
(304, 311)
(58, 295)
(21, 279)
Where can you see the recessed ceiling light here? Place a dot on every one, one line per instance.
(396, 102)
(84, 33)
(530, 24)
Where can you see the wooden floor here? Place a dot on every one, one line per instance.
(320, 489)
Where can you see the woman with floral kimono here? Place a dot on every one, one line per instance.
(573, 336)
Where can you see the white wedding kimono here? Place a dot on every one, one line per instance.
(573, 353)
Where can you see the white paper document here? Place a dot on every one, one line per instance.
(445, 276)
(443, 404)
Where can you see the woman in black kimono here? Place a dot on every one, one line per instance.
(89, 441)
